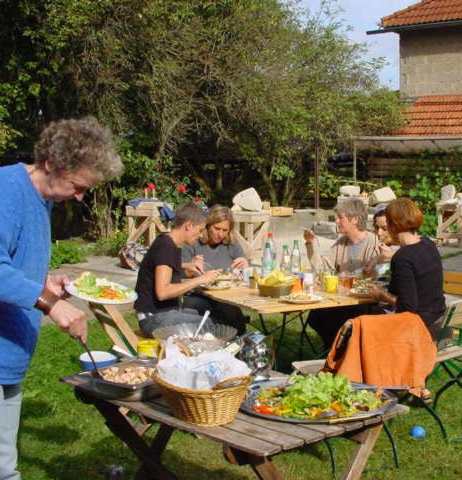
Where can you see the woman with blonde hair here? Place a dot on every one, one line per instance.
(216, 249)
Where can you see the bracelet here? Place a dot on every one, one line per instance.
(46, 301)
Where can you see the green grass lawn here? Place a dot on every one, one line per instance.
(61, 438)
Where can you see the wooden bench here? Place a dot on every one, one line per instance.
(452, 283)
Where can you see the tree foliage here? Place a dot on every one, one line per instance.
(251, 83)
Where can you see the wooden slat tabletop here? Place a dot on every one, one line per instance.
(250, 434)
(256, 435)
(246, 297)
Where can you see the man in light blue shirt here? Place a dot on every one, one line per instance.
(71, 156)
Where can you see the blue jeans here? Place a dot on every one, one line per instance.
(10, 410)
(166, 318)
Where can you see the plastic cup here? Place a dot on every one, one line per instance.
(330, 283)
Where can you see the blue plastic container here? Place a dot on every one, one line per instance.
(102, 359)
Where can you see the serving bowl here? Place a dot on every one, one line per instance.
(102, 359)
(275, 291)
(184, 333)
(101, 388)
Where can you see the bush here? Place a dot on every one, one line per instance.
(110, 245)
(425, 187)
(67, 251)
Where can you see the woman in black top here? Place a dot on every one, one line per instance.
(416, 270)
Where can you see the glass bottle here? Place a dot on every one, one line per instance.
(295, 259)
(285, 259)
(270, 240)
(267, 260)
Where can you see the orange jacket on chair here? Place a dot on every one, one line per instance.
(386, 350)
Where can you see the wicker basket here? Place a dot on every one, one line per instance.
(206, 407)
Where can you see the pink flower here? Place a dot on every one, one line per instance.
(182, 188)
(151, 186)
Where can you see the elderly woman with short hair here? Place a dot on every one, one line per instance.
(351, 252)
(355, 246)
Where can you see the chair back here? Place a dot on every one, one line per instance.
(453, 315)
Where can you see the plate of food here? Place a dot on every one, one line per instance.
(301, 298)
(100, 290)
(225, 277)
(361, 288)
(321, 398)
(219, 285)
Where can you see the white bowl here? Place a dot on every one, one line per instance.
(102, 359)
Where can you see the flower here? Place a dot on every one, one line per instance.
(182, 188)
(151, 186)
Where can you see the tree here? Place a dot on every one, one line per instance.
(205, 83)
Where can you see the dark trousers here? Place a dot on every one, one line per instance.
(327, 321)
(220, 312)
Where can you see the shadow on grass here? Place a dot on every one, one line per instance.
(58, 434)
(100, 456)
(291, 349)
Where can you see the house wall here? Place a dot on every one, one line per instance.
(431, 62)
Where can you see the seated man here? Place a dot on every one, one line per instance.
(350, 253)
(159, 286)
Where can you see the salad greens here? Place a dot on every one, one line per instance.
(316, 396)
(86, 284)
(99, 288)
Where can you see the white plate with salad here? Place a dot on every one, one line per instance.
(100, 290)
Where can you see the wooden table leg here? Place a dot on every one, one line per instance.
(366, 439)
(151, 468)
(263, 467)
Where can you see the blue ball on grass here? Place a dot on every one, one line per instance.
(417, 432)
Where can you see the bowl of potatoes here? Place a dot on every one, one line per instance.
(276, 284)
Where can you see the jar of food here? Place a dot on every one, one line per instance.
(148, 348)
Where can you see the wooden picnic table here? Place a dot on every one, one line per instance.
(245, 297)
(247, 440)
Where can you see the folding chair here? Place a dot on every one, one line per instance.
(450, 348)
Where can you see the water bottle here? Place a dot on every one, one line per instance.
(267, 260)
(285, 260)
(270, 240)
(295, 259)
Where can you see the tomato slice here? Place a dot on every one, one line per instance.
(264, 409)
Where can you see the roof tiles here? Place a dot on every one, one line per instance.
(433, 115)
(426, 11)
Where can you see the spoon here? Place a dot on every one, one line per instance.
(85, 346)
(204, 318)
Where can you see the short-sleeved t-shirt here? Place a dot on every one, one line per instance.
(163, 251)
(218, 256)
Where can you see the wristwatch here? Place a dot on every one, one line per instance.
(46, 301)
